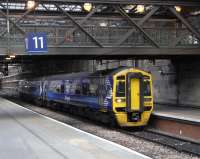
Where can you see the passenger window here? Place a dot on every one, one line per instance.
(85, 88)
(78, 89)
(93, 89)
(62, 88)
(58, 90)
(67, 86)
(55, 86)
(120, 91)
(147, 88)
(121, 78)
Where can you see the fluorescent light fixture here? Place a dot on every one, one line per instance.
(12, 56)
(8, 58)
(103, 24)
(140, 8)
(87, 7)
(178, 8)
(30, 4)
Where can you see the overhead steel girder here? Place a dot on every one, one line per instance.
(78, 25)
(124, 14)
(145, 2)
(140, 23)
(14, 23)
(81, 22)
(186, 23)
(108, 51)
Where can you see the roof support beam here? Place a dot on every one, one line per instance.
(14, 22)
(2, 6)
(186, 23)
(108, 51)
(140, 23)
(175, 41)
(81, 22)
(43, 5)
(123, 13)
(79, 26)
(145, 2)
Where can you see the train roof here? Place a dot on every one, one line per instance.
(98, 73)
(109, 71)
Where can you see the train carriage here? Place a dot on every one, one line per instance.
(124, 94)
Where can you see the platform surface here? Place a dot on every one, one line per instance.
(27, 135)
(182, 113)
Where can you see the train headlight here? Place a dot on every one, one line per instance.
(119, 100)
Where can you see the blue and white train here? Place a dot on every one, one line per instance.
(123, 95)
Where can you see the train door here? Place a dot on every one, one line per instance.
(101, 92)
(134, 93)
(44, 90)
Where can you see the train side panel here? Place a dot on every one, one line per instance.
(125, 94)
(90, 92)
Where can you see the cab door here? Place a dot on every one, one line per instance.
(134, 92)
(44, 90)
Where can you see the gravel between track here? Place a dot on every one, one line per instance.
(154, 150)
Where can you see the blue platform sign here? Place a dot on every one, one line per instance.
(36, 42)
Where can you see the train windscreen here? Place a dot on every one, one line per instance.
(147, 88)
(120, 92)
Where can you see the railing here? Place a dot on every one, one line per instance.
(107, 36)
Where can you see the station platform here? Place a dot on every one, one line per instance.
(26, 134)
(179, 113)
(178, 122)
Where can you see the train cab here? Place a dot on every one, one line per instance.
(132, 97)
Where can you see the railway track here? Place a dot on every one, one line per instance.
(166, 140)
(148, 134)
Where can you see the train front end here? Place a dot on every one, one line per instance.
(132, 97)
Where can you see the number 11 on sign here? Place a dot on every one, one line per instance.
(40, 40)
(36, 42)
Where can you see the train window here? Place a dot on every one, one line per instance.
(33, 88)
(121, 78)
(78, 89)
(120, 91)
(146, 77)
(55, 86)
(93, 89)
(85, 88)
(93, 86)
(147, 88)
(67, 86)
(62, 88)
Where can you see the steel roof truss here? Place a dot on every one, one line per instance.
(140, 23)
(186, 23)
(124, 14)
(79, 26)
(81, 22)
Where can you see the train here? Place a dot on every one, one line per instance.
(121, 96)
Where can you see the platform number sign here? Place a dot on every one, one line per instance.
(36, 42)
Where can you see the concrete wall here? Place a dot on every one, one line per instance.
(189, 85)
(164, 80)
(164, 76)
(59, 66)
(176, 82)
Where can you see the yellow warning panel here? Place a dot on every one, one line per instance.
(135, 94)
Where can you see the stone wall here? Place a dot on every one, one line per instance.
(189, 86)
